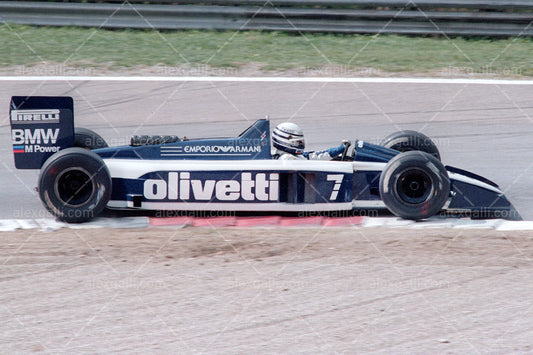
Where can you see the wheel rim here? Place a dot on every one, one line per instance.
(74, 187)
(414, 186)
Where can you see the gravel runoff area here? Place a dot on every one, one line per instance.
(292, 290)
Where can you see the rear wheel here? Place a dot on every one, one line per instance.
(75, 185)
(414, 185)
(85, 138)
(405, 141)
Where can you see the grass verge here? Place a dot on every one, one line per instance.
(126, 49)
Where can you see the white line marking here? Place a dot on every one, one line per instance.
(272, 79)
(8, 225)
(515, 226)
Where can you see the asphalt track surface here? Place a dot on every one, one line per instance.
(486, 129)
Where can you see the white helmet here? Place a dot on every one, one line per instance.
(288, 137)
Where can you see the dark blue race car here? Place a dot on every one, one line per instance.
(80, 175)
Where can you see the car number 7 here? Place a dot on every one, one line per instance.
(336, 187)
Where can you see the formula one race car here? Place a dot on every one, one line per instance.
(80, 175)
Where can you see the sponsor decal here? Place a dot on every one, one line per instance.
(38, 140)
(34, 116)
(246, 186)
(210, 149)
(18, 149)
(221, 148)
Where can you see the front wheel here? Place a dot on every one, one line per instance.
(75, 185)
(405, 141)
(414, 185)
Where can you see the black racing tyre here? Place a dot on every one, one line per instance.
(405, 141)
(414, 185)
(85, 138)
(75, 185)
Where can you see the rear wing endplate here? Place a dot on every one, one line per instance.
(40, 127)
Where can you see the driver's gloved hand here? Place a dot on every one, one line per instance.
(333, 152)
(345, 142)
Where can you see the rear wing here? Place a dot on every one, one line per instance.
(40, 127)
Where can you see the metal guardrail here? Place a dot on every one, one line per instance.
(459, 4)
(427, 17)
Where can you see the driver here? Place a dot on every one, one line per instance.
(288, 140)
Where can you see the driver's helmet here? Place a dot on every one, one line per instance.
(288, 137)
